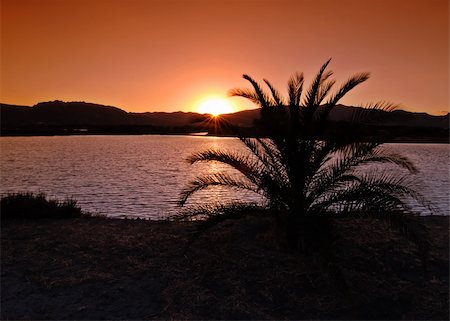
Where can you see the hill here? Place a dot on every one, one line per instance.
(62, 113)
(58, 117)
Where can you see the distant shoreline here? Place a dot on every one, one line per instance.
(440, 140)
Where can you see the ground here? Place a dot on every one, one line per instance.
(97, 268)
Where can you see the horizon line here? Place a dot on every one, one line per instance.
(443, 112)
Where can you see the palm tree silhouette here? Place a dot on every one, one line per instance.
(305, 177)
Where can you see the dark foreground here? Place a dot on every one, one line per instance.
(123, 269)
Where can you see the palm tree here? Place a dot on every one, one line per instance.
(306, 177)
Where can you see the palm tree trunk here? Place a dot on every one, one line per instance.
(294, 230)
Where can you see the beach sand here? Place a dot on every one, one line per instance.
(98, 268)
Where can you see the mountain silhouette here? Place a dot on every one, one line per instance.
(60, 115)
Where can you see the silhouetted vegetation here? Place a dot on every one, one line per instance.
(308, 178)
(36, 206)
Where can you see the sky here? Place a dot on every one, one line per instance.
(171, 55)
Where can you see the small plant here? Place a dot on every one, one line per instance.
(34, 206)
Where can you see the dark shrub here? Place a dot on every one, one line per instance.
(29, 205)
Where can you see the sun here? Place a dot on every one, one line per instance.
(215, 107)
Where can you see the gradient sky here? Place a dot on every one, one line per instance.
(150, 55)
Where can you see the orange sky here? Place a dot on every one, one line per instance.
(150, 55)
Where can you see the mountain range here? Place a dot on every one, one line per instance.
(57, 116)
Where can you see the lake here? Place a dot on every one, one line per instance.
(142, 176)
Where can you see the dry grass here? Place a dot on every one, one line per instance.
(122, 269)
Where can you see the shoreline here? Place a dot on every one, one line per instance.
(95, 268)
(406, 140)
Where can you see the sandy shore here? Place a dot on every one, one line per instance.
(124, 269)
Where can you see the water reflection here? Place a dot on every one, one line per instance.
(142, 176)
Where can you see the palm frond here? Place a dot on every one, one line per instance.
(361, 153)
(324, 90)
(274, 181)
(370, 192)
(351, 83)
(276, 158)
(295, 89)
(276, 96)
(217, 179)
(268, 154)
(402, 186)
(311, 94)
(373, 112)
(342, 157)
(352, 157)
(382, 157)
(246, 93)
(263, 98)
(251, 169)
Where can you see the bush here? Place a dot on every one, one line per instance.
(34, 206)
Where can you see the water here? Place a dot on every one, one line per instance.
(142, 176)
